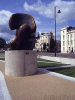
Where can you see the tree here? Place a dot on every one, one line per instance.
(2, 43)
(52, 44)
(8, 45)
(44, 46)
(38, 36)
(47, 47)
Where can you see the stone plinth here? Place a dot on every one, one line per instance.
(20, 62)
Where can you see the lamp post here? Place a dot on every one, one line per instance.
(55, 27)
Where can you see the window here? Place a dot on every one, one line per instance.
(36, 44)
(71, 35)
(68, 42)
(63, 43)
(63, 37)
(69, 48)
(74, 41)
(71, 42)
(63, 31)
(74, 35)
(68, 36)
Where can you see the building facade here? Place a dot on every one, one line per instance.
(68, 39)
(44, 38)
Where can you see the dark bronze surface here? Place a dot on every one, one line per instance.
(25, 31)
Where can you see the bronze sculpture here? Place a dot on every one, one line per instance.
(25, 31)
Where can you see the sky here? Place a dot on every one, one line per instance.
(43, 13)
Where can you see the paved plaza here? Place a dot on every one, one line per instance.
(41, 86)
(65, 55)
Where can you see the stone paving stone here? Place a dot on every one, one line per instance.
(1, 95)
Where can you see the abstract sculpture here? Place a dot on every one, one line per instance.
(25, 31)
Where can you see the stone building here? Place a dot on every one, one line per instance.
(44, 38)
(68, 39)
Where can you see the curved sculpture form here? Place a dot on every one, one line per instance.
(25, 31)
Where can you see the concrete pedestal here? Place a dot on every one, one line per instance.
(20, 62)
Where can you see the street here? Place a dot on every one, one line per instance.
(65, 55)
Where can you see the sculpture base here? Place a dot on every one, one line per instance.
(20, 62)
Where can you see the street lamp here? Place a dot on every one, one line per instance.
(55, 27)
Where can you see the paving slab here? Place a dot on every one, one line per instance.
(4, 93)
(41, 86)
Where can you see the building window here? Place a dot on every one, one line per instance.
(68, 36)
(68, 42)
(63, 31)
(63, 37)
(71, 42)
(36, 44)
(69, 48)
(74, 35)
(63, 43)
(74, 41)
(71, 35)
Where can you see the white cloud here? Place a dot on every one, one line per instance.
(39, 7)
(37, 21)
(8, 37)
(67, 9)
(4, 17)
(5, 31)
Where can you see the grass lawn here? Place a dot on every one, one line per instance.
(2, 58)
(66, 71)
(2, 55)
(39, 59)
(52, 64)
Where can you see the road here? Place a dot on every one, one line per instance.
(65, 55)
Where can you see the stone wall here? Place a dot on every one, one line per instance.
(20, 62)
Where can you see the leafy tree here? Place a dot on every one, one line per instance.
(47, 47)
(44, 46)
(8, 45)
(2, 43)
(38, 36)
(52, 44)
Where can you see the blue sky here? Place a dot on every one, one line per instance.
(43, 13)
